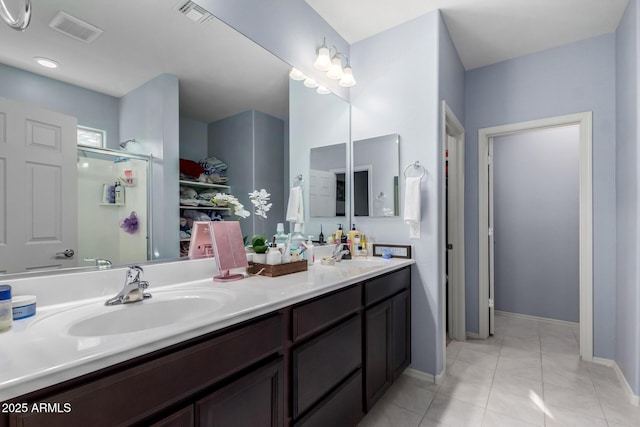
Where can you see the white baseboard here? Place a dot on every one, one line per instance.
(538, 318)
(602, 361)
(634, 399)
(422, 375)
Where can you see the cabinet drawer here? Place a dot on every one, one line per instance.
(322, 363)
(313, 316)
(256, 400)
(385, 286)
(137, 393)
(341, 408)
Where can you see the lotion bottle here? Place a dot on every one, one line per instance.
(339, 235)
(354, 241)
(310, 255)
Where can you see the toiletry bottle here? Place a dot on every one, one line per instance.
(364, 251)
(119, 193)
(321, 236)
(297, 239)
(339, 235)
(281, 236)
(351, 240)
(6, 312)
(310, 254)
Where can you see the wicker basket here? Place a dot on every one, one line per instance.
(277, 269)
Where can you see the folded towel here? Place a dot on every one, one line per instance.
(295, 211)
(412, 205)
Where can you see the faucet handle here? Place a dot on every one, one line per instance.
(143, 284)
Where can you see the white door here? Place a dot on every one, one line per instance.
(322, 193)
(38, 150)
(491, 248)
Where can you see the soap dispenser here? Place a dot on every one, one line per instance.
(338, 235)
(310, 255)
(354, 241)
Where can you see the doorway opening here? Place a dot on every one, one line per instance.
(486, 235)
(452, 229)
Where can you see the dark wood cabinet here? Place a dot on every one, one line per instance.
(256, 400)
(181, 418)
(387, 326)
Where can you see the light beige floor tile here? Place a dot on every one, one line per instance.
(465, 391)
(531, 369)
(478, 359)
(556, 330)
(410, 395)
(582, 400)
(619, 410)
(496, 419)
(553, 344)
(560, 417)
(453, 412)
(520, 398)
(531, 343)
(427, 384)
(390, 416)
(524, 355)
(470, 373)
(491, 345)
(556, 374)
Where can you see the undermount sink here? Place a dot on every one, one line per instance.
(165, 308)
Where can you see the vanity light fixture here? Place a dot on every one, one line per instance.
(347, 79)
(46, 62)
(333, 65)
(335, 72)
(323, 90)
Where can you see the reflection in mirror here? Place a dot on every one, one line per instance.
(161, 83)
(318, 139)
(376, 167)
(327, 181)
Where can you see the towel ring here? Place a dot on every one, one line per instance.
(415, 165)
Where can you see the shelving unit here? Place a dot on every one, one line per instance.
(184, 243)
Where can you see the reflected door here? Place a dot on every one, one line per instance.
(322, 193)
(38, 209)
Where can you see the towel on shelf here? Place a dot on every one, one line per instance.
(295, 211)
(412, 205)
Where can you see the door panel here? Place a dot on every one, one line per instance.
(38, 212)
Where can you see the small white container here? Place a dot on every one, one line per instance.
(274, 256)
(23, 306)
(6, 316)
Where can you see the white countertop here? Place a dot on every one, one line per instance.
(38, 352)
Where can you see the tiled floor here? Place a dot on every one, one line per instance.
(528, 374)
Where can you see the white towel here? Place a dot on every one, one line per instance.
(295, 211)
(412, 205)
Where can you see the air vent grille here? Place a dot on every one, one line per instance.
(75, 28)
(195, 12)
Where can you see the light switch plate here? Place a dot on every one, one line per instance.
(398, 251)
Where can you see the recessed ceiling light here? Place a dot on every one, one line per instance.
(46, 62)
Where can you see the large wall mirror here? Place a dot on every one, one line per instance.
(376, 168)
(319, 151)
(201, 72)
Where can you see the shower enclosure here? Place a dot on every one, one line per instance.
(118, 232)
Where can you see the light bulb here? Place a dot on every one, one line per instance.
(323, 61)
(46, 62)
(323, 90)
(347, 79)
(335, 72)
(296, 74)
(310, 83)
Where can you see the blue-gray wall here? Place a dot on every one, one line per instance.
(291, 30)
(150, 115)
(92, 109)
(536, 218)
(252, 145)
(401, 96)
(572, 78)
(193, 139)
(627, 187)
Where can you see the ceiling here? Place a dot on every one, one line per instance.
(221, 72)
(484, 31)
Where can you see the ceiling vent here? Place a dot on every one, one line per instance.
(195, 12)
(74, 27)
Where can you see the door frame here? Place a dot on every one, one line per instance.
(457, 294)
(584, 121)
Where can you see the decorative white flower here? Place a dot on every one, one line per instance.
(238, 208)
(260, 200)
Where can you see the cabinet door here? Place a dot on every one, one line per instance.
(256, 399)
(378, 375)
(182, 418)
(401, 333)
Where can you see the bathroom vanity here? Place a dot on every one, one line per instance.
(314, 348)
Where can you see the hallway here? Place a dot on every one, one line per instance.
(528, 373)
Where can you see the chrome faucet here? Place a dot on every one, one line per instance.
(133, 290)
(339, 252)
(100, 262)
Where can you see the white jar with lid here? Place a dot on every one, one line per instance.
(6, 313)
